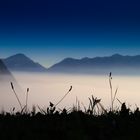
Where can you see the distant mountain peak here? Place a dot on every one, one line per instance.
(20, 62)
(69, 59)
(85, 58)
(117, 55)
(18, 56)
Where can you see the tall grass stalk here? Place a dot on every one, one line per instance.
(63, 96)
(12, 86)
(27, 99)
(110, 84)
(113, 97)
(102, 107)
(77, 104)
(93, 102)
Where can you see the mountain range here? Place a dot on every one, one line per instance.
(116, 62)
(99, 65)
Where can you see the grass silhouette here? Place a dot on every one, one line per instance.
(12, 86)
(94, 123)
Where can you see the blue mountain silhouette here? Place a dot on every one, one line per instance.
(116, 62)
(20, 62)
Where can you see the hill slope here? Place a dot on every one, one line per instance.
(3, 69)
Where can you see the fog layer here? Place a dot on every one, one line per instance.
(52, 87)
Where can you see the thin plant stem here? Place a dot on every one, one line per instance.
(110, 84)
(27, 99)
(63, 97)
(16, 95)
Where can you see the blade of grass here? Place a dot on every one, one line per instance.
(12, 86)
(63, 96)
(27, 99)
(115, 95)
(111, 89)
(119, 101)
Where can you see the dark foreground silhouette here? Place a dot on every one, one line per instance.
(94, 123)
(73, 125)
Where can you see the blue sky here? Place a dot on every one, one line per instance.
(50, 30)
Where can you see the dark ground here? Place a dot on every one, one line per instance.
(76, 125)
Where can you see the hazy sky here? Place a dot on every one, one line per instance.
(50, 30)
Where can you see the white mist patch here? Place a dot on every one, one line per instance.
(52, 87)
